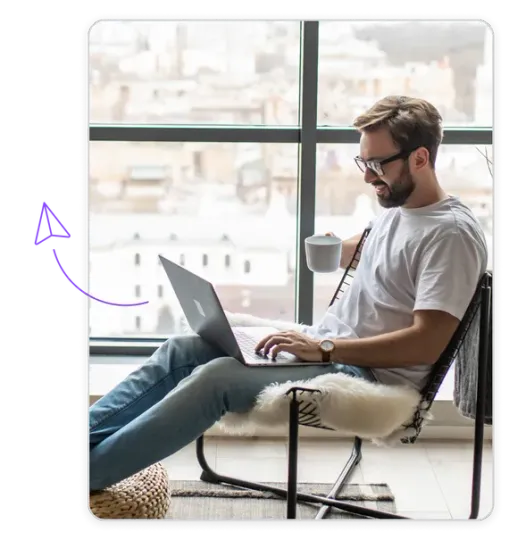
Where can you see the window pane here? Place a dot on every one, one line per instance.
(345, 203)
(198, 72)
(239, 208)
(361, 62)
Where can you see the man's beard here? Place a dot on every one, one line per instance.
(398, 192)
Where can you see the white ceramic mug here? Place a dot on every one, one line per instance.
(323, 253)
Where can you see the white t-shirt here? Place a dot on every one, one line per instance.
(413, 259)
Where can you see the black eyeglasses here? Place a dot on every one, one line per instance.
(376, 166)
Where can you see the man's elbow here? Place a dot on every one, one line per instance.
(435, 330)
(428, 359)
(417, 358)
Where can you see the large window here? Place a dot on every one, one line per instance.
(361, 62)
(223, 145)
(194, 72)
(240, 207)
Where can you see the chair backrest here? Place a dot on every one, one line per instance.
(349, 272)
(443, 364)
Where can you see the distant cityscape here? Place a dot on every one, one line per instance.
(228, 210)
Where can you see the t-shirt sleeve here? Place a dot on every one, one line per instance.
(448, 274)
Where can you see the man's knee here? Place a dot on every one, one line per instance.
(185, 344)
(182, 339)
(185, 340)
(219, 370)
(230, 380)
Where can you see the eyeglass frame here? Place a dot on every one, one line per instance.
(371, 163)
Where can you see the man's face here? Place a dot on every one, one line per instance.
(396, 184)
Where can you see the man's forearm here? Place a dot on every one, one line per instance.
(403, 348)
(348, 250)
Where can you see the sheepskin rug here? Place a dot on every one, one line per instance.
(349, 405)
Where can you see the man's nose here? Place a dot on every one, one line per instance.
(369, 176)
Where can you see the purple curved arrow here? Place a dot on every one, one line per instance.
(49, 226)
(66, 276)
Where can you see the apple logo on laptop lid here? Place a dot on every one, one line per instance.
(199, 308)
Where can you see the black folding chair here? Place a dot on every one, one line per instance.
(301, 413)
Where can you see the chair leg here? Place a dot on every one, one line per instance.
(353, 461)
(477, 469)
(293, 444)
(209, 475)
(480, 412)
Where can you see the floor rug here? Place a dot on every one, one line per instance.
(194, 500)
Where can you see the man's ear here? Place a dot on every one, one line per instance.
(420, 158)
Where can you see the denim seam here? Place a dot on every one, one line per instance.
(155, 385)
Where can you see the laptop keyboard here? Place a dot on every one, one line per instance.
(248, 343)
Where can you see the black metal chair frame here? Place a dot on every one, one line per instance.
(297, 415)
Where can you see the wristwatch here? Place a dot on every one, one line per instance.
(326, 346)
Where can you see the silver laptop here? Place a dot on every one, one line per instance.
(207, 318)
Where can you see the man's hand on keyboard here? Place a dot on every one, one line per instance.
(292, 342)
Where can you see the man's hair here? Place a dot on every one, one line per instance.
(412, 123)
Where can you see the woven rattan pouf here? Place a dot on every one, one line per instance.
(145, 495)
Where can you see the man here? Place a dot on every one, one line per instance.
(418, 271)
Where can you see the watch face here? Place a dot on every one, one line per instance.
(327, 345)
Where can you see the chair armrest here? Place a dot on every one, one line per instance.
(295, 389)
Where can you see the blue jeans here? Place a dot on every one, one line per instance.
(180, 392)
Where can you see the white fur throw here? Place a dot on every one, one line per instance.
(349, 405)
